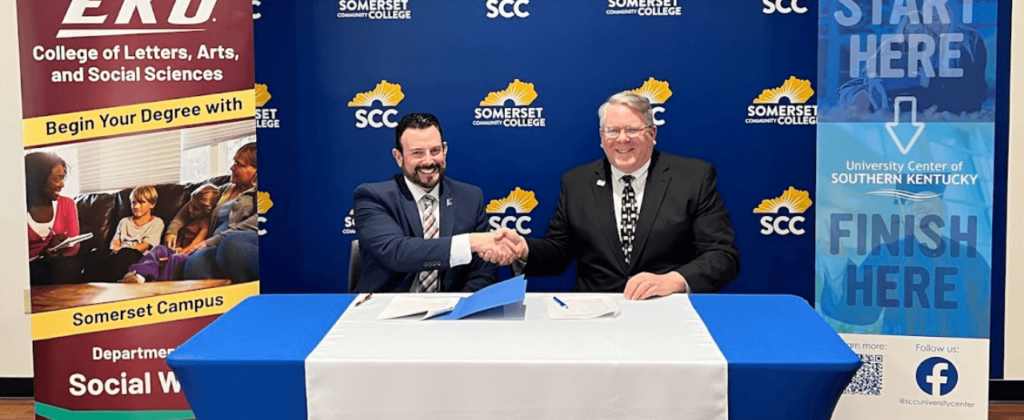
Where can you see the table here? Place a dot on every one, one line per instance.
(57, 297)
(783, 361)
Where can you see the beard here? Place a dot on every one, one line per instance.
(414, 176)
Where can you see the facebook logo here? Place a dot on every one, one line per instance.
(936, 376)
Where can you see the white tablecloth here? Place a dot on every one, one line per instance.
(655, 361)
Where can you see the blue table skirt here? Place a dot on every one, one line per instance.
(784, 361)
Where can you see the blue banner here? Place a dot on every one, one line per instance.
(906, 141)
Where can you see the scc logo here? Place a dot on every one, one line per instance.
(507, 8)
(795, 201)
(376, 118)
(771, 6)
(782, 225)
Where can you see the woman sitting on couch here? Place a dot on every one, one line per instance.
(232, 252)
(52, 218)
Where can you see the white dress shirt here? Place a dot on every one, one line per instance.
(639, 182)
(460, 252)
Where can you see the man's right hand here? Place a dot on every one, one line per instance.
(489, 247)
(515, 242)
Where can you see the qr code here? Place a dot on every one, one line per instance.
(868, 380)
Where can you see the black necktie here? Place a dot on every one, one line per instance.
(629, 217)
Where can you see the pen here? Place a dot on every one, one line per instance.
(364, 299)
(560, 303)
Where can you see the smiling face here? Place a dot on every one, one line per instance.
(55, 183)
(422, 158)
(625, 153)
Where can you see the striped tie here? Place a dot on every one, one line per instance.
(428, 279)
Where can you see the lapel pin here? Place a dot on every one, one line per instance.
(448, 202)
(600, 183)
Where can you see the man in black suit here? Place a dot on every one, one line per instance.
(639, 221)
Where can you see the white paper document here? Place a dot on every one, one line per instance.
(581, 307)
(409, 308)
(70, 242)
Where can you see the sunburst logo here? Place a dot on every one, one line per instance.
(655, 91)
(263, 204)
(767, 107)
(796, 90)
(521, 202)
(265, 117)
(262, 95)
(795, 201)
(387, 95)
(520, 93)
(492, 110)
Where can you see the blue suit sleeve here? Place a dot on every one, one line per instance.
(381, 235)
(484, 274)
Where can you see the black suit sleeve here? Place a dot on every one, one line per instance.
(718, 260)
(551, 255)
(483, 274)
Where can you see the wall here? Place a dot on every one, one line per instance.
(15, 332)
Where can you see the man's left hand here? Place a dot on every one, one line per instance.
(646, 285)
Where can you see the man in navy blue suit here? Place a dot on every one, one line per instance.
(418, 231)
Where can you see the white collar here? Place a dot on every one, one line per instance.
(418, 193)
(639, 175)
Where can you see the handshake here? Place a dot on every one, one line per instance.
(501, 247)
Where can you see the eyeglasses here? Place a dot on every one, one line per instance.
(631, 132)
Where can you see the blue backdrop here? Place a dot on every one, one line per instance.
(717, 59)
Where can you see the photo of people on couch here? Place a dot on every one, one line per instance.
(200, 223)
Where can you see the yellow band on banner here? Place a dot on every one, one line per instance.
(128, 119)
(139, 312)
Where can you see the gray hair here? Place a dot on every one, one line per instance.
(638, 103)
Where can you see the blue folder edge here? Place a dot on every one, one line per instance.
(499, 294)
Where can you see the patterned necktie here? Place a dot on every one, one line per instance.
(428, 279)
(629, 216)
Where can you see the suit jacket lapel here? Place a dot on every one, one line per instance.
(654, 193)
(410, 210)
(447, 215)
(606, 222)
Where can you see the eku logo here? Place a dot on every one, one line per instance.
(657, 92)
(388, 95)
(937, 376)
(78, 13)
(507, 9)
(521, 202)
(795, 201)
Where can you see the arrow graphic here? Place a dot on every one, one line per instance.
(890, 126)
